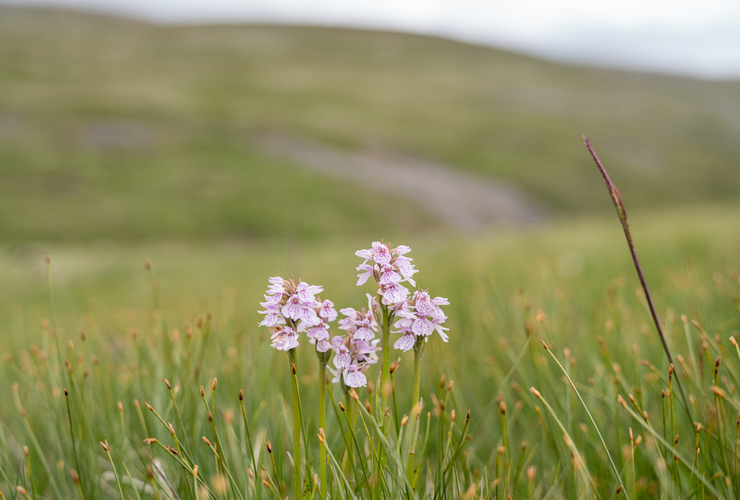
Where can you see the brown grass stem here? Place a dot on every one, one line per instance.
(616, 197)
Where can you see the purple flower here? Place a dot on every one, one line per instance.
(284, 339)
(356, 350)
(327, 311)
(389, 267)
(418, 318)
(291, 309)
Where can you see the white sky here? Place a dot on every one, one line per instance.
(691, 37)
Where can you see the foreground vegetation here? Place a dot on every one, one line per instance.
(570, 286)
(159, 128)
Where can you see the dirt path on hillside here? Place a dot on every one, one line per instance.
(460, 199)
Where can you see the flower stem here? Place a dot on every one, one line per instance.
(418, 351)
(385, 353)
(297, 426)
(322, 424)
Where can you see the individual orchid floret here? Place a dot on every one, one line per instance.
(389, 267)
(291, 309)
(418, 318)
(360, 325)
(284, 338)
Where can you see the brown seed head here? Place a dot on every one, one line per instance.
(341, 406)
(367, 406)
(202, 392)
(150, 441)
(502, 408)
(292, 366)
(619, 489)
(241, 395)
(173, 451)
(524, 445)
(500, 450)
(535, 392)
(66, 392)
(213, 386)
(151, 409)
(120, 406)
(450, 386)
(22, 491)
(531, 472)
(452, 416)
(353, 394)
(266, 484)
(269, 447)
(195, 470)
(638, 440)
(172, 429)
(75, 476)
(207, 441)
(734, 342)
(544, 345)
(25, 450)
(167, 383)
(394, 367)
(322, 436)
(404, 420)
(442, 381)
(250, 473)
(104, 445)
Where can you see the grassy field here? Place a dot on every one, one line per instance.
(571, 285)
(122, 141)
(118, 129)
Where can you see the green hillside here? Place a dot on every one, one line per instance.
(112, 128)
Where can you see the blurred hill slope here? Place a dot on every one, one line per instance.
(119, 129)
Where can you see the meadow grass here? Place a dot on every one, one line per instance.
(570, 286)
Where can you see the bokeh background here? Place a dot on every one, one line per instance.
(215, 137)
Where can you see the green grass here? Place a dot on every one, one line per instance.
(578, 275)
(118, 129)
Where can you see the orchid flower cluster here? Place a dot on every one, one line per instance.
(390, 268)
(418, 318)
(357, 350)
(291, 309)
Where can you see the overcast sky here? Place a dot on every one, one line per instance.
(691, 37)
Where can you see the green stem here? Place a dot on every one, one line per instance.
(322, 425)
(385, 353)
(297, 426)
(413, 417)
